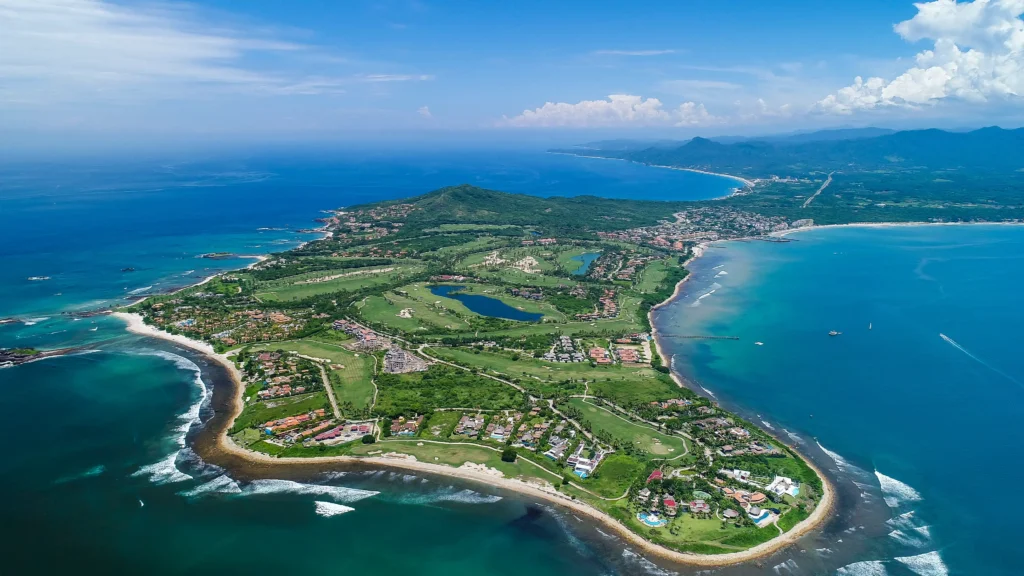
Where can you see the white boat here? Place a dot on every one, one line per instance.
(834, 333)
(38, 278)
(759, 343)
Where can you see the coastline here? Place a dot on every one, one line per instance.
(227, 446)
(784, 233)
(746, 183)
(823, 511)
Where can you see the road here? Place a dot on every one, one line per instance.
(815, 195)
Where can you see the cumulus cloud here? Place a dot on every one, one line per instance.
(425, 112)
(621, 110)
(977, 56)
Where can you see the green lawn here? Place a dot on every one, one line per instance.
(257, 413)
(652, 276)
(643, 437)
(289, 289)
(614, 475)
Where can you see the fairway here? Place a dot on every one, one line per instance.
(643, 437)
(349, 281)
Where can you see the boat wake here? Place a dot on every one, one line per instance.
(328, 509)
(956, 345)
(90, 473)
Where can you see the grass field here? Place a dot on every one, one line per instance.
(614, 476)
(643, 437)
(652, 276)
(259, 412)
(425, 316)
(289, 289)
(440, 425)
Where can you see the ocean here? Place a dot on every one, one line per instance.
(914, 406)
(98, 469)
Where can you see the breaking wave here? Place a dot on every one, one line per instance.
(328, 509)
(896, 493)
(647, 566)
(140, 290)
(165, 471)
(222, 484)
(34, 321)
(449, 494)
(927, 564)
(867, 568)
(913, 539)
(793, 436)
(842, 464)
(336, 493)
(788, 567)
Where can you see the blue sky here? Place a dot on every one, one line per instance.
(317, 69)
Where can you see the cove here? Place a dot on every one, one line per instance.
(484, 305)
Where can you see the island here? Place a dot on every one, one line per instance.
(503, 339)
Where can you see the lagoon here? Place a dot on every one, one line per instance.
(484, 305)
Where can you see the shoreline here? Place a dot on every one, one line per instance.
(746, 183)
(224, 444)
(784, 233)
(823, 511)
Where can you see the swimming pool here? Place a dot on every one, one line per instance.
(651, 520)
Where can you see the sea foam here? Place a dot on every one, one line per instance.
(927, 564)
(336, 493)
(328, 509)
(645, 564)
(222, 484)
(91, 472)
(165, 471)
(867, 568)
(896, 493)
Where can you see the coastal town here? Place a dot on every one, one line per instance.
(409, 336)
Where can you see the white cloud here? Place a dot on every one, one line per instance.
(978, 56)
(634, 52)
(621, 110)
(63, 50)
(425, 112)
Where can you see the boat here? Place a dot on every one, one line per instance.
(759, 343)
(834, 333)
(38, 278)
(869, 325)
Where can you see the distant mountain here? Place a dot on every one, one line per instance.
(987, 150)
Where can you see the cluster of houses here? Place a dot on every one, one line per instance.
(673, 403)
(701, 224)
(448, 278)
(398, 361)
(366, 339)
(607, 307)
(564, 350)
(344, 433)
(535, 294)
(540, 242)
(600, 356)
(281, 376)
(470, 426)
(275, 427)
(406, 427)
(628, 355)
(231, 328)
(631, 266)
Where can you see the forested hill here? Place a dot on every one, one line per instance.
(469, 205)
(985, 151)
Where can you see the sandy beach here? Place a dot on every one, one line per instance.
(746, 183)
(547, 493)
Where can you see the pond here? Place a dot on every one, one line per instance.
(484, 305)
(585, 261)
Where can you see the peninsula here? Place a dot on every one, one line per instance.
(504, 339)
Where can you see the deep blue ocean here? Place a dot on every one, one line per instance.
(98, 471)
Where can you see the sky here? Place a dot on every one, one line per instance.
(276, 70)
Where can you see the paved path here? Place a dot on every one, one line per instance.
(815, 195)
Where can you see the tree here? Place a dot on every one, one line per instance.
(369, 439)
(508, 454)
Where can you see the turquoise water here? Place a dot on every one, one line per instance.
(918, 401)
(98, 470)
(585, 261)
(484, 305)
